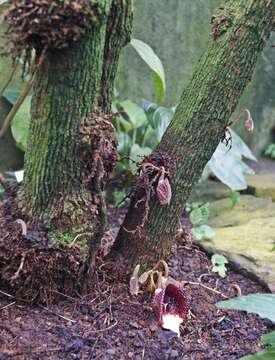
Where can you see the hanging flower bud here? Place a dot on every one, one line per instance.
(249, 124)
(164, 192)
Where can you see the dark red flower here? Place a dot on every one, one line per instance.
(170, 305)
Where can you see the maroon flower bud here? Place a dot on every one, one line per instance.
(164, 192)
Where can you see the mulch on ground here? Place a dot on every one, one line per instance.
(109, 323)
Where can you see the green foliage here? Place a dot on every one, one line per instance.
(155, 64)
(235, 198)
(21, 121)
(227, 164)
(118, 198)
(139, 130)
(198, 216)
(270, 151)
(203, 232)
(261, 304)
(264, 306)
(218, 262)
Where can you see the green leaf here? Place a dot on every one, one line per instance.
(199, 215)
(137, 152)
(160, 120)
(11, 95)
(218, 262)
(269, 150)
(136, 114)
(268, 339)
(261, 304)
(235, 198)
(20, 124)
(267, 354)
(203, 232)
(152, 60)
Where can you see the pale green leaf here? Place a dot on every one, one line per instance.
(152, 60)
(261, 304)
(203, 232)
(20, 124)
(135, 113)
(199, 215)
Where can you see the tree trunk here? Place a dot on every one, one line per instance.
(240, 29)
(71, 148)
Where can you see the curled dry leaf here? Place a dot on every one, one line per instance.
(134, 285)
(144, 277)
(170, 305)
(23, 226)
(164, 192)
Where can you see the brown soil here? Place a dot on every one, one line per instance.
(108, 323)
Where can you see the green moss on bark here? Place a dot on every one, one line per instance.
(198, 125)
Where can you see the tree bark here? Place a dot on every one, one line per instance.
(239, 32)
(65, 167)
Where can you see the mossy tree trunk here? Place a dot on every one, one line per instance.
(64, 170)
(240, 30)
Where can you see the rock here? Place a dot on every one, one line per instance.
(223, 215)
(208, 191)
(262, 185)
(245, 235)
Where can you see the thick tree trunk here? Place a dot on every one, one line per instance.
(71, 148)
(239, 32)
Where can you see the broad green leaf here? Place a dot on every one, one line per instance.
(261, 304)
(161, 119)
(227, 164)
(3, 1)
(199, 215)
(268, 339)
(124, 143)
(20, 124)
(135, 113)
(152, 60)
(218, 261)
(11, 95)
(267, 354)
(138, 152)
(203, 232)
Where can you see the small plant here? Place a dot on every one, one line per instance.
(198, 216)
(270, 151)
(218, 264)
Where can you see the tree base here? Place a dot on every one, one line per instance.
(31, 267)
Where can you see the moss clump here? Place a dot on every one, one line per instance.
(43, 24)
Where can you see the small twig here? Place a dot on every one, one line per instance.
(15, 276)
(6, 294)
(106, 329)
(61, 316)
(16, 106)
(207, 288)
(6, 306)
(22, 96)
(80, 235)
(14, 67)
